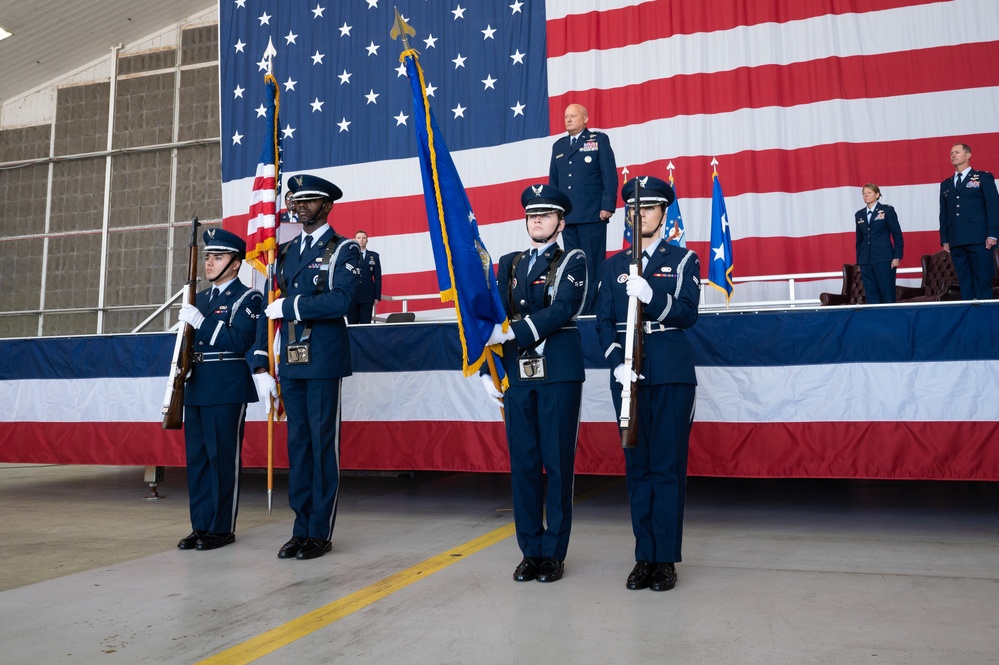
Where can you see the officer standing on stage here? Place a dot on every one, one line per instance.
(369, 292)
(583, 166)
(656, 469)
(969, 224)
(544, 290)
(318, 276)
(216, 393)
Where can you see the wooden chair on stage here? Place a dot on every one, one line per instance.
(939, 281)
(853, 289)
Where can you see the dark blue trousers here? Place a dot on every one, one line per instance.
(656, 469)
(592, 239)
(974, 268)
(879, 282)
(213, 438)
(542, 422)
(313, 409)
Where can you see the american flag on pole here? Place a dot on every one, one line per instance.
(803, 102)
(261, 229)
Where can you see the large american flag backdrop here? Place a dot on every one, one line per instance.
(801, 103)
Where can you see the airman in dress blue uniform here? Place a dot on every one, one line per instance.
(318, 275)
(656, 469)
(879, 246)
(217, 391)
(582, 165)
(969, 224)
(369, 292)
(544, 290)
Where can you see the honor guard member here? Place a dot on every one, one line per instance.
(317, 273)
(583, 166)
(656, 469)
(544, 290)
(216, 393)
(369, 292)
(969, 224)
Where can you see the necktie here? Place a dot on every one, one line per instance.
(957, 181)
(645, 259)
(869, 211)
(215, 293)
(306, 244)
(572, 142)
(534, 257)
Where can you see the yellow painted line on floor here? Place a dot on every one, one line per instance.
(274, 639)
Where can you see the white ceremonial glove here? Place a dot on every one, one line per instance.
(638, 287)
(625, 375)
(266, 386)
(495, 396)
(190, 314)
(498, 336)
(274, 310)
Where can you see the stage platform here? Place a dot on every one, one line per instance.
(901, 392)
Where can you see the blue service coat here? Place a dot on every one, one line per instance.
(318, 294)
(230, 327)
(879, 241)
(587, 173)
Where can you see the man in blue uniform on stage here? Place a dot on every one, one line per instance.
(544, 290)
(583, 167)
(318, 276)
(216, 393)
(969, 224)
(656, 468)
(369, 292)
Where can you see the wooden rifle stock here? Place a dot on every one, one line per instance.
(633, 341)
(183, 350)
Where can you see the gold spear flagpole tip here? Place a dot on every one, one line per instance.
(400, 29)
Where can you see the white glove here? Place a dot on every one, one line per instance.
(495, 396)
(625, 375)
(638, 287)
(191, 314)
(498, 336)
(266, 386)
(275, 309)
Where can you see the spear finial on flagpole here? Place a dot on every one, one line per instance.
(714, 166)
(670, 167)
(400, 29)
(269, 54)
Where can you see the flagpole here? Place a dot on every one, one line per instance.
(271, 366)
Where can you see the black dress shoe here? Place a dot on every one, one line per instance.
(550, 570)
(663, 577)
(313, 548)
(527, 569)
(640, 575)
(291, 548)
(188, 542)
(213, 541)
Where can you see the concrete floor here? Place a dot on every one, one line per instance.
(783, 571)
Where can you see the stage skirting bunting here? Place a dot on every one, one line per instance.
(901, 392)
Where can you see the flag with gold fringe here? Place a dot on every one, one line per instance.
(261, 228)
(465, 274)
(720, 266)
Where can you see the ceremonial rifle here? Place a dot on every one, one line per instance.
(633, 332)
(183, 348)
